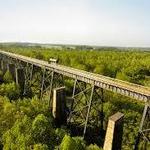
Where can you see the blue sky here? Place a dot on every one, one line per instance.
(91, 22)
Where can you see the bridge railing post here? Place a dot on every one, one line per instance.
(113, 138)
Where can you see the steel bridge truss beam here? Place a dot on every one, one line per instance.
(143, 138)
(50, 80)
(28, 74)
(87, 106)
(42, 79)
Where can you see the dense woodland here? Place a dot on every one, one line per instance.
(27, 123)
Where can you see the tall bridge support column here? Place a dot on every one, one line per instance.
(49, 81)
(59, 105)
(113, 138)
(143, 138)
(28, 74)
(1, 72)
(46, 83)
(0, 64)
(3, 66)
(86, 110)
(20, 78)
(12, 70)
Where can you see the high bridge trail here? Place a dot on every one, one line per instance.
(122, 87)
(80, 112)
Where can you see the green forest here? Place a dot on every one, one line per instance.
(27, 123)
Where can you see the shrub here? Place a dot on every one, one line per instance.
(8, 77)
(11, 90)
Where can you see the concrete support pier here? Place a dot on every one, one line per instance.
(20, 78)
(3, 66)
(0, 64)
(12, 70)
(59, 105)
(113, 138)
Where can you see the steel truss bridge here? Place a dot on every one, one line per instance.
(87, 91)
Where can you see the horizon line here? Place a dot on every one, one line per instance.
(71, 44)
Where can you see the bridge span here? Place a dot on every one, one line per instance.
(122, 87)
(86, 84)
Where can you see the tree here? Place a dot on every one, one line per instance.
(68, 143)
(19, 136)
(40, 147)
(11, 90)
(93, 147)
(74, 143)
(43, 131)
(8, 77)
(1, 76)
(60, 133)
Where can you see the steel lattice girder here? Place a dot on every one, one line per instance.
(86, 105)
(144, 130)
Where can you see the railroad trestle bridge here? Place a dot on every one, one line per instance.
(26, 71)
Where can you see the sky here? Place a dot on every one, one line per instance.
(88, 22)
